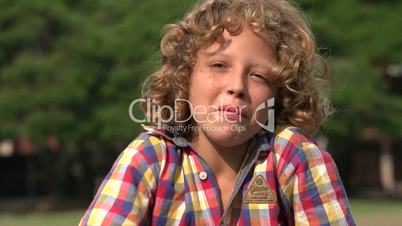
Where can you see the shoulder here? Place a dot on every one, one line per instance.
(146, 151)
(294, 147)
(310, 186)
(147, 144)
(290, 136)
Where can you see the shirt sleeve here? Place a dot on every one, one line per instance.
(126, 194)
(311, 190)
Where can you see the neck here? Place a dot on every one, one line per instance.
(223, 160)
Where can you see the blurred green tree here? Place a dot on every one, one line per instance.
(69, 69)
(360, 38)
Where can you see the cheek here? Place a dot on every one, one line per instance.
(261, 98)
(202, 91)
(200, 98)
(198, 84)
(260, 91)
(262, 116)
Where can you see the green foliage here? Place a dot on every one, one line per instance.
(358, 36)
(70, 69)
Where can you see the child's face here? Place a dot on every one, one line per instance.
(227, 86)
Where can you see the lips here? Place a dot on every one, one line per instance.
(234, 110)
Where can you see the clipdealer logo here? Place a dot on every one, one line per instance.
(269, 106)
(154, 115)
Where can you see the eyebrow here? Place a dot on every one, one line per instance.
(217, 53)
(268, 67)
(266, 64)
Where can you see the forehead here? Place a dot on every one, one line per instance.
(246, 42)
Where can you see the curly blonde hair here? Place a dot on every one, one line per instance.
(300, 75)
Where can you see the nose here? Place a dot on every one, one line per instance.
(237, 84)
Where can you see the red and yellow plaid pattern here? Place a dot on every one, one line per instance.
(160, 180)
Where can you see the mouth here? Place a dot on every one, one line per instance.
(233, 111)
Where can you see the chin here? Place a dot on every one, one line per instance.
(227, 135)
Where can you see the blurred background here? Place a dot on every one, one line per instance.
(69, 70)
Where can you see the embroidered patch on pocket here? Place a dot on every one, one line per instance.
(259, 192)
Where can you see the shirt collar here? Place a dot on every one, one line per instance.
(262, 141)
(177, 140)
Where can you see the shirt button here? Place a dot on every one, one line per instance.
(203, 175)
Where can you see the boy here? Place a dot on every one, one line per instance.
(214, 160)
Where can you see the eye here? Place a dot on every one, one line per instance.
(259, 77)
(219, 67)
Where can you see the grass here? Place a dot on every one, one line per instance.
(377, 213)
(67, 218)
(365, 212)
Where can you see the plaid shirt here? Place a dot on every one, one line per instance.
(285, 179)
